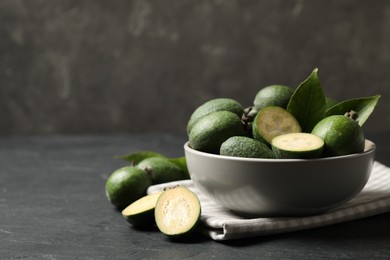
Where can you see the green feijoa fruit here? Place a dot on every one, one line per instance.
(214, 105)
(272, 121)
(161, 170)
(342, 135)
(273, 95)
(126, 185)
(242, 146)
(297, 146)
(212, 130)
(177, 212)
(140, 213)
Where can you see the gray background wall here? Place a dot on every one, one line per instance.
(127, 66)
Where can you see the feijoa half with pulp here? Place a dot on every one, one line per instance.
(177, 212)
(297, 146)
(272, 121)
(140, 213)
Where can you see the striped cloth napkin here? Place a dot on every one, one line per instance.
(221, 224)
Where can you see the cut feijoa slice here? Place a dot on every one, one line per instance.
(272, 121)
(177, 212)
(297, 146)
(140, 213)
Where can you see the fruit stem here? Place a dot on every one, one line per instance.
(149, 170)
(248, 116)
(352, 114)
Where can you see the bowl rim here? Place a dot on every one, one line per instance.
(369, 148)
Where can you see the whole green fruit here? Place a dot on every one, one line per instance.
(214, 105)
(342, 135)
(126, 185)
(273, 95)
(161, 170)
(212, 130)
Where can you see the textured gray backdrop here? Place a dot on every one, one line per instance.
(128, 66)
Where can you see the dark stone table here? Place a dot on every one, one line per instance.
(53, 206)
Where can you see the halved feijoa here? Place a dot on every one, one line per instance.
(297, 146)
(140, 213)
(242, 146)
(214, 105)
(342, 135)
(177, 212)
(272, 121)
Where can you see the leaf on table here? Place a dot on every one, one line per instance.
(364, 106)
(308, 103)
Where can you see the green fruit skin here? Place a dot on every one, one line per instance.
(283, 154)
(214, 105)
(126, 185)
(241, 146)
(341, 135)
(303, 153)
(273, 95)
(161, 170)
(143, 220)
(212, 130)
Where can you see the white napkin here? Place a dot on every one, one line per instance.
(221, 224)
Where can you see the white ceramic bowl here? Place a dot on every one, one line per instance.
(280, 187)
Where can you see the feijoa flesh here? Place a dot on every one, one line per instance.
(140, 213)
(297, 146)
(241, 146)
(126, 185)
(209, 132)
(177, 212)
(161, 170)
(214, 105)
(272, 121)
(341, 134)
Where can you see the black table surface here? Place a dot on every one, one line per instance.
(53, 206)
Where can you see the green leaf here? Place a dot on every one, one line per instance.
(308, 103)
(182, 163)
(135, 158)
(364, 106)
